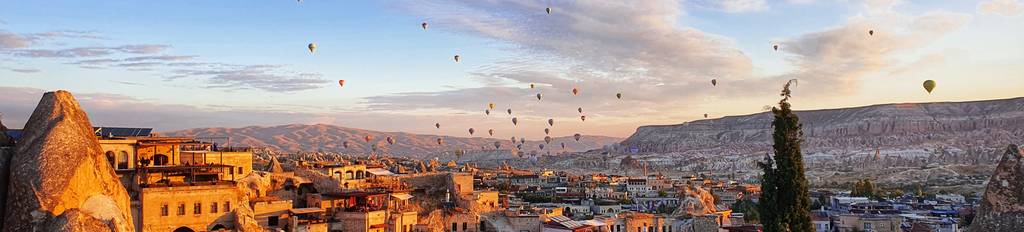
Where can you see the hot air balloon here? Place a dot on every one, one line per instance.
(424, 25)
(312, 47)
(341, 83)
(531, 85)
(509, 111)
(491, 132)
(714, 82)
(583, 118)
(519, 146)
(541, 146)
(513, 139)
(471, 131)
(497, 145)
(538, 96)
(345, 144)
(456, 58)
(547, 139)
(391, 140)
(929, 85)
(368, 138)
(563, 145)
(440, 141)
(551, 122)
(775, 46)
(577, 136)
(548, 10)
(705, 115)
(575, 92)
(547, 131)
(438, 125)
(515, 121)
(580, 110)
(490, 105)
(487, 112)
(522, 140)
(871, 32)
(618, 95)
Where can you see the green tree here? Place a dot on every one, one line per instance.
(785, 204)
(863, 188)
(749, 210)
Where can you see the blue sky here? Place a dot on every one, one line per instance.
(240, 63)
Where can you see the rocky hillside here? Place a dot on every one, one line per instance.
(1002, 207)
(991, 123)
(297, 137)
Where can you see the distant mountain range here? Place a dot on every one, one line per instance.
(956, 125)
(321, 137)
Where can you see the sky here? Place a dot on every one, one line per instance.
(174, 65)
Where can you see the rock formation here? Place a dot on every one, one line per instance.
(1002, 207)
(64, 181)
(274, 166)
(6, 151)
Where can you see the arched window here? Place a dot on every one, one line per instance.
(360, 174)
(349, 175)
(122, 160)
(111, 159)
(159, 160)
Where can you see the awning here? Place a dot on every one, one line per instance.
(379, 172)
(401, 196)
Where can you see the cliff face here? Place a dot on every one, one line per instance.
(878, 126)
(1002, 207)
(63, 182)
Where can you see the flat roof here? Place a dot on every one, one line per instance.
(305, 210)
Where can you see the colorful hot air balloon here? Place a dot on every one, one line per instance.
(391, 140)
(312, 47)
(471, 130)
(583, 118)
(341, 83)
(509, 111)
(497, 145)
(551, 122)
(456, 58)
(424, 25)
(618, 95)
(575, 92)
(490, 105)
(368, 138)
(580, 110)
(515, 121)
(490, 131)
(714, 82)
(547, 139)
(577, 136)
(440, 141)
(538, 96)
(547, 131)
(438, 125)
(929, 85)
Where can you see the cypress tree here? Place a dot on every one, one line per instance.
(785, 204)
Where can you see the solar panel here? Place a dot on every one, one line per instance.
(122, 131)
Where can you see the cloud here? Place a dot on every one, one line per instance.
(89, 51)
(21, 70)
(263, 77)
(737, 6)
(1006, 8)
(10, 40)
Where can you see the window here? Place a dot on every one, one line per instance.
(197, 208)
(122, 160)
(227, 206)
(867, 226)
(239, 170)
(272, 220)
(455, 227)
(164, 209)
(111, 159)
(181, 209)
(159, 160)
(213, 207)
(465, 227)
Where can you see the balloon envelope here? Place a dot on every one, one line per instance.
(341, 83)
(312, 47)
(929, 85)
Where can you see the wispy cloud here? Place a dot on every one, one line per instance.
(737, 6)
(25, 70)
(79, 52)
(1006, 8)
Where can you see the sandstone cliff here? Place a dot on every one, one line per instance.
(1002, 207)
(63, 181)
(6, 151)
